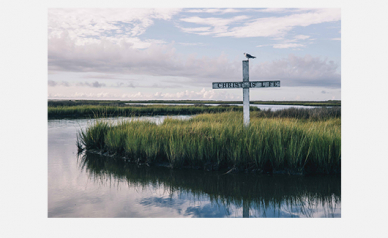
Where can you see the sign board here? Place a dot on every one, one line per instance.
(250, 84)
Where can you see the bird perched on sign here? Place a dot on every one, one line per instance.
(249, 56)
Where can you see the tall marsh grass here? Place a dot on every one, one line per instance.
(216, 141)
(322, 113)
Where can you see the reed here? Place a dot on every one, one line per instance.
(315, 114)
(220, 141)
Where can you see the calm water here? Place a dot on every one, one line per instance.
(261, 106)
(96, 186)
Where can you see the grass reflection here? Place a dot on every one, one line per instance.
(259, 195)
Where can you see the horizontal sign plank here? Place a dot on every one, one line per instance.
(253, 84)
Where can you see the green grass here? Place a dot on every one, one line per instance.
(315, 114)
(220, 141)
(93, 111)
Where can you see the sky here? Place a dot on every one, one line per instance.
(176, 54)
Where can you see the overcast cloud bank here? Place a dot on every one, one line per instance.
(163, 60)
(110, 42)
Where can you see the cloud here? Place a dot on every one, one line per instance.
(131, 85)
(299, 71)
(193, 95)
(162, 60)
(155, 85)
(289, 45)
(335, 38)
(191, 44)
(219, 25)
(301, 37)
(197, 30)
(214, 10)
(203, 94)
(95, 84)
(264, 27)
(284, 10)
(90, 25)
(52, 83)
(108, 57)
(98, 76)
(236, 10)
(121, 85)
(271, 10)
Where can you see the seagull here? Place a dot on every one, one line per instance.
(249, 56)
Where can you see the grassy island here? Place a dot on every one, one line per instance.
(295, 141)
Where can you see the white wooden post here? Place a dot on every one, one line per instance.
(246, 91)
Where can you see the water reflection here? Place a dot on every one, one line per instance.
(165, 192)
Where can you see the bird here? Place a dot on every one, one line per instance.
(249, 56)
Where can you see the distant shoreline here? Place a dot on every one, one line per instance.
(120, 102)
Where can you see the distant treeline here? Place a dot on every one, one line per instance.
(67, 103)
(122, 103)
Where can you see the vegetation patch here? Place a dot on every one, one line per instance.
(315, 114)
(94, 111)
(220, 141)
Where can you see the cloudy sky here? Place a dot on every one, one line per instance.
(177, 53)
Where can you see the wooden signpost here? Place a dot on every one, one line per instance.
(245, 85)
